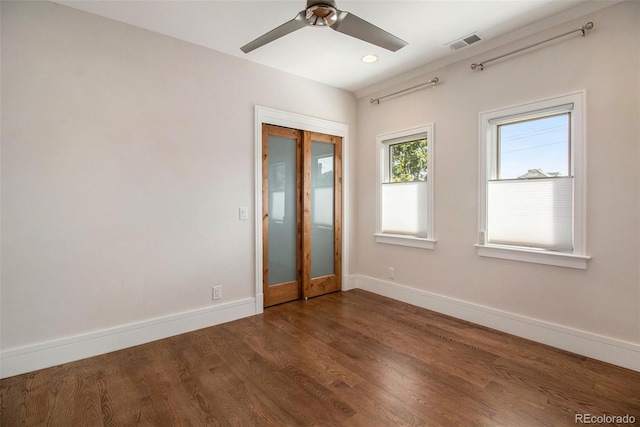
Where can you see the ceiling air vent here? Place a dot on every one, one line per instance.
(464, 42)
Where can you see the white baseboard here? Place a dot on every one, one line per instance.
(39, 356)
(348, 283)
(617, 352)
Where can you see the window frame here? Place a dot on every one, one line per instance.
(488, 146)
(384, 142)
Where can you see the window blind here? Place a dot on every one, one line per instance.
(532, 212)
(404, 208)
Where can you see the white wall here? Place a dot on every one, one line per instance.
(125, 158)
(602, 301)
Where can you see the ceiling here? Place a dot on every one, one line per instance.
(324, 55)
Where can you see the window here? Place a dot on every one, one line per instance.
(405, 193)
(532, 171)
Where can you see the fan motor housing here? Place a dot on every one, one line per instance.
(321, 15)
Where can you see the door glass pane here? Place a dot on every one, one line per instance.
(322, 211)
(282, 210)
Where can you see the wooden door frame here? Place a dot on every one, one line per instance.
(291, 290)
(314, 286)
(304, 284)
(265, 115)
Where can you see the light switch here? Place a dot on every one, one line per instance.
(244, 214)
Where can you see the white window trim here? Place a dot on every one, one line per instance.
(383, 141)
(578, 258)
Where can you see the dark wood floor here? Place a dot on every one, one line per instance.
(351, 358)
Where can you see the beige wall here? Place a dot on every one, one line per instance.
(125, 158)
(126, 154)
(604, 299)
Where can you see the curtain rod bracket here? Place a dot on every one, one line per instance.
(586, 27)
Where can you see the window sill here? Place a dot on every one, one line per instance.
(401, 240)
(535, 256)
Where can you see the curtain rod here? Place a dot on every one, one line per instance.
(586, 27)
(431, 82)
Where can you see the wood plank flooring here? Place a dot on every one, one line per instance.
(348, 358)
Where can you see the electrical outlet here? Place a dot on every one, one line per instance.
(217, 292)
(392, 273)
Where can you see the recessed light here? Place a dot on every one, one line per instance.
(369, 58)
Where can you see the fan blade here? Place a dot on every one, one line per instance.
(284, 29)
(351, 25)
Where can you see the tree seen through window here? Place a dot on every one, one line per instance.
(408, 161)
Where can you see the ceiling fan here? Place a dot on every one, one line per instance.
(324, 13)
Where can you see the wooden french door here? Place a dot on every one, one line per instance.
(301, 214)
